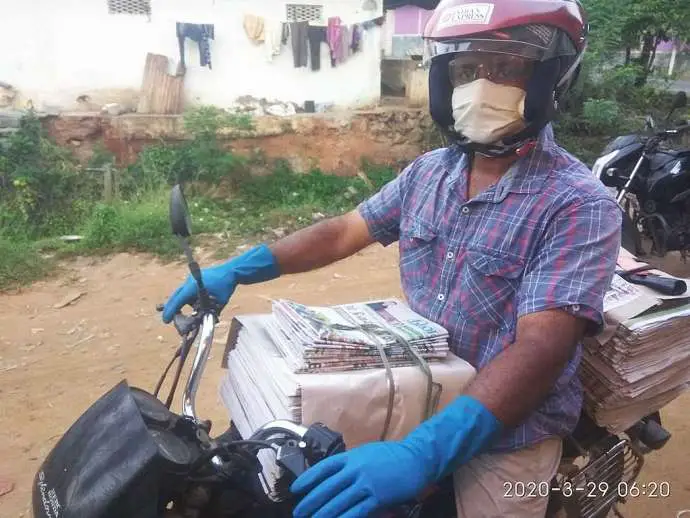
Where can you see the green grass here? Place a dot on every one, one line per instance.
(21, 262)
(281, 200)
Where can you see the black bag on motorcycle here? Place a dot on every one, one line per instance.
(107, 465)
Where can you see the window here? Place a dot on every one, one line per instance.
(129, 7)
(304, 12)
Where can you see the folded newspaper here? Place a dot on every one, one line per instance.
(354, 336)
(268, 378)
(641, 362)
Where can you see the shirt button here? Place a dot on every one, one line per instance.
(465, 210)
(450, 255)
(441, 297)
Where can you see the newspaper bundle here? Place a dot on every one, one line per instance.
(354, 336)
(269, 378)
(641, 361)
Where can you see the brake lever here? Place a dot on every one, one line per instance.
(184, 324)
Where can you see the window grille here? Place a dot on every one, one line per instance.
(129, 7)
(304, 12)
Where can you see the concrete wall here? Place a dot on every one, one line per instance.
(53, 52)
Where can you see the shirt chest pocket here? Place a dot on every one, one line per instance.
(418, 247)
(489, 288)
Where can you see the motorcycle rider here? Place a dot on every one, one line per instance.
(505, 239)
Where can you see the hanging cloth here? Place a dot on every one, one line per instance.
(273, 33)
(345, 44)
(334, 36)
(356, 39)
(298, 33)
(254, 27)
(201, 33)
(317, 36)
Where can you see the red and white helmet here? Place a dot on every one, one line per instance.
(552, 33)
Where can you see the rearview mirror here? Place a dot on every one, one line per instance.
(180, 221)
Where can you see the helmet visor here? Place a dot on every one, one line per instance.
(533, 42)
(499, 68)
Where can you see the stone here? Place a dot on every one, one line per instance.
(8, 95)
(318, 216)
(69, 299)
(10, 119)
(279, 232)
(113, 109)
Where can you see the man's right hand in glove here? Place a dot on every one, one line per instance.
(256, 265)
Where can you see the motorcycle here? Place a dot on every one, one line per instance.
(130, 456)
(652, 185)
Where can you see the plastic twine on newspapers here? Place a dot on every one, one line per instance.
(367, 330)
(374, 331)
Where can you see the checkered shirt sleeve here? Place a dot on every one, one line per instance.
(575, 262)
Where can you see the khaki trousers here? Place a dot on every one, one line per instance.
(511, 485)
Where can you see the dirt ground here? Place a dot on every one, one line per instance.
(55, 361)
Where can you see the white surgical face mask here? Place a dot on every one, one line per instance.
(485, 112)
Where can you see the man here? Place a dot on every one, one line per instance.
(505, 239)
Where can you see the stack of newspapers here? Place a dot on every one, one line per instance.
(371, 370)
(353, 336)
(641, 361)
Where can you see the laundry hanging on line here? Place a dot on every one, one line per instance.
(200, 33)
(305, 39)
(300, 43)
(271, 33)
(316, 36)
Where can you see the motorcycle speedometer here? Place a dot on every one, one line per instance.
(152, 409)
(171, 447)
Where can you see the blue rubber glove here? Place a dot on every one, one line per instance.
(253, 266)
(379, 475)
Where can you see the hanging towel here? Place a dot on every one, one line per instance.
(273, 32)
(254, 27)
(201, 33)
(317, 36)
(298, 32)
(334, 38)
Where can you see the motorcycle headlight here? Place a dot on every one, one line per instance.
(603, 162)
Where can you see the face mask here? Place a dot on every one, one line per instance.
(485, 112)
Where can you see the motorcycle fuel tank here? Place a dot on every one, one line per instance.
(669, 176)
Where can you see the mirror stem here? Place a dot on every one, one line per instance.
(196, 274)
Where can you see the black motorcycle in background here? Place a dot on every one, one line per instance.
(652, 184)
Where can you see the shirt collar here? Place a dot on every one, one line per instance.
(526, 175)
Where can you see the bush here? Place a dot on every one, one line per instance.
(601, 116)
(121, 226)
(20, 262)
(43, 188)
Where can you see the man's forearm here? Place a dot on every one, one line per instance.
(518, 380)
(322, 244)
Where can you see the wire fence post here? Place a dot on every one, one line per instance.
(110, 183)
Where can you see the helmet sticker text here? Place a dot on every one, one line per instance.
(468, 14)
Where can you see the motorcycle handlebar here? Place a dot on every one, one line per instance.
(280, 426)
(675, 131)
(203, 350)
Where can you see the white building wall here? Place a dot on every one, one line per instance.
(55, 51)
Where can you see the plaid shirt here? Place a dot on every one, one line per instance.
(546, 236)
